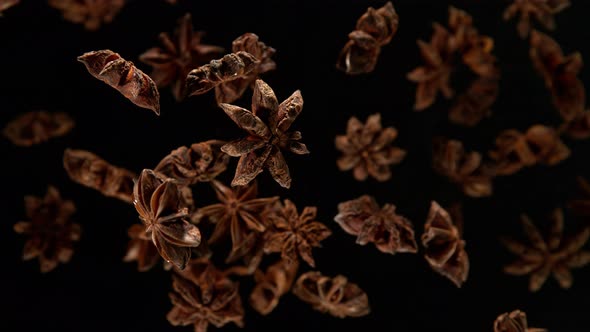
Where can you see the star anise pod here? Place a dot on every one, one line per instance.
(578, 127)
(271, 285)
(580, 205)
(541, 10)
(262, 147)
(178, 55)
(201, 162)
(549, 255)
(475, 103)
(463, 168)
(389, 231)
(515, 321)
(123, 76)
(560, 74)
(5, 4)
(294, 234)
(368, 149)
(336, 296)
(141, 248)
(37, 127)
(445, 249)
(91, 13)
(158, 202)
(50, 229)
(88, 169)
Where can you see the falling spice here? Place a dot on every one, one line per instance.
(141, 248)
(122, 75)
(50, 229)
(272, 285)
(37, 127)
(91, 13)
(541, 10)
(514, 321)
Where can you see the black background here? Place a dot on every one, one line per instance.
(96, 291)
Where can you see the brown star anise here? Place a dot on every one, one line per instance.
(294, 234)
(36, 127)
(445, 249)
(262, 147)
(141, 248)
(515, 321)
(368, 149)
(578, 127)
(271, 285)
(178, 55)
(541, 10)
(389, 231)
(550, 255)
(580, 205)
(158, 202)
(50, 229)
(91, 13)
(336, 296)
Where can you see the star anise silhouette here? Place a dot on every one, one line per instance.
(178, 55)
(141, 248)
(368, 149)
(514, 321)
(158, 202)
(37, 127)
(50, 229)
(541, 10)
(271, 285)
(262, 147)
(294, 234)
(91, 13)
(549, 255)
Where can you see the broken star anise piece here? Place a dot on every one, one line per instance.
(91, 13)
(444, 247)
(50, 229)
(383, 227)
(336, 296)
(293, 234)
(178, 55)
(541, 10)
(262, 147)
(515, 321)
(142, 249)
(123, 76)
(549, 255)
(37, 127)
(271, 285)
(368, 149)
(158, 202)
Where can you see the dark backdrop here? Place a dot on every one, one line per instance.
(96, 291)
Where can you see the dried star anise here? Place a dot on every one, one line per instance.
(373, 30)
(445, 249)
(465, 169)
(578, 127)
(368, 149)
(271, 285)
(5, 4)
(90, 170)
(476, 102)
(580, 205)
(541, 10)
(36, 127)
(142, 249)
(336, 296)
(293, 234)
(383, 227)
(91, 13)
(50, 230)
(122, 75)
(560, 74)
(550, 255)
(158, 202)
(262, 147)
(178, 56)
(515, 321)
(201, 162)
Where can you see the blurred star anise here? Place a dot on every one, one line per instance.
(383, 227)
(541, 10)
(262, 147)
(580, 204)
(550, 255)
(50, 229)
(515, 321)
(368, 149)
(336, 296)
(91, 13)
(5, 4)
(141, 248)
(37, 127)
(271, 285)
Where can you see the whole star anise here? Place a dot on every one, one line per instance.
(50, 229)
(37, 127)
(368, 149)
(514, 321)
(541, 10)
(383, 227)
(158, 202)
(549, 255)
(141, 248)
(294, 234)
(271, 285)
(178, 55)
(91, 13)
(262, 147)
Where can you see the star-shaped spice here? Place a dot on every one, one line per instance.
(158, 202)
(550, 255)
(91, 13)
(336, 296)
(540, 10)
(37, 127)
(294, 234)
(389, 231)
(267, 125)
(141, 248)
(271, 285)
(178, 55)
(368, 149)
(514, 321)
(50, 229)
